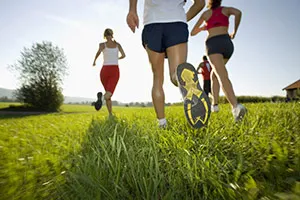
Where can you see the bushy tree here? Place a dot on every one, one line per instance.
(41, 71)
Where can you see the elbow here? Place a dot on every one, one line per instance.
(240, 16)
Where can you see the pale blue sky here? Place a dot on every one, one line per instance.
(267, 45)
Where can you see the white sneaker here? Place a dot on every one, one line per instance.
(239, 112)
(162, 123)
(163, 126)
(215, 108)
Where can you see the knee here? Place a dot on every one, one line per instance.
(158, 81)
(157, 69)
(107, 96)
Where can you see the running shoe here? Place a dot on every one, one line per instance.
(196, 102)
(98, 103)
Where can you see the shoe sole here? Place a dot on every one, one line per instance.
(197, 106)
(98, 103)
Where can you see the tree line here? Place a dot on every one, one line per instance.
(42, 68)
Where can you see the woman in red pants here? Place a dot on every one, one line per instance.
(109, 74)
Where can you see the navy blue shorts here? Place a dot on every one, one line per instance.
(220, 44)
(160, 36)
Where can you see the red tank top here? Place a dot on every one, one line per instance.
(217, 19)
(206, 70)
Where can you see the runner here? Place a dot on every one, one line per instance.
(219, 49)
(109, 74)
(165, 34)
(205, 71)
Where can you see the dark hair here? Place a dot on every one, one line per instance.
(212, 4)
(108, 32)
(204, 58)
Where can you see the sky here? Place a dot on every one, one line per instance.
(265, 60)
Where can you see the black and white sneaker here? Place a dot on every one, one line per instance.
(98, 103)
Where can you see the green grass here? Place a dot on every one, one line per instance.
(82, 154)
(7, 104)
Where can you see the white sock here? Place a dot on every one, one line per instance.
(162, 121)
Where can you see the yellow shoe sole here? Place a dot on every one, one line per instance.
(196, 103)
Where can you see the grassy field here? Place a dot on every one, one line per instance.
(82, 154)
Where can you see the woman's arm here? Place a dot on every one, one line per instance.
(237, 19)
(196, 29)
(101, 47)
(121, 51)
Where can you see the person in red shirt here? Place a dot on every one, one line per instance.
(219, 48)
(205, 70)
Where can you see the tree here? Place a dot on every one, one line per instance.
(41, 71)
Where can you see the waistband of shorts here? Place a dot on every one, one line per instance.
(110, 65)
(165, 23)
(219, 36)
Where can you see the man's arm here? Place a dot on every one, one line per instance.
(200, 66)
(195, 9)
(132, 17)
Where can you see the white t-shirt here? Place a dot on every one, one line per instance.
(110, 55)
(164, 11)
(208, 66)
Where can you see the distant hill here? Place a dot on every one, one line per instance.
(9, 94)
(78, 99)
(6, 93)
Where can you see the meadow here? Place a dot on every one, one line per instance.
(83, 154)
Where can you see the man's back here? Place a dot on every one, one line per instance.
(205, 70)
(166, 11)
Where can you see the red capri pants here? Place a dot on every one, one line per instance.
(109, 76)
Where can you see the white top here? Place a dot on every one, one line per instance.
(164, 11)
(110, 56)
(208, 66)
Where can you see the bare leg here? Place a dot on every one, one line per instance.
(158, 97)
(215, 86)
(218, 64)
(176, 55)
(107, 97)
